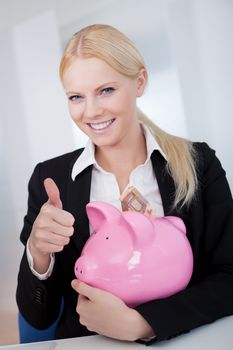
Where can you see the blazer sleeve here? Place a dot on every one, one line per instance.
(210, 296)
(38, 301)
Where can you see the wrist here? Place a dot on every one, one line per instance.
(139, 326)
(41, 261)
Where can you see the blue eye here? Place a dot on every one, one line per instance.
(74, 98)
(107, 90)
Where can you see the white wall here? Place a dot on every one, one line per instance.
(188, 47)
(201, 34)
(34, 126)
(214, 30)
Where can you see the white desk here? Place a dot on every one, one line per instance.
(216, 336)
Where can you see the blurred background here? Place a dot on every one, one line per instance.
(188, 49)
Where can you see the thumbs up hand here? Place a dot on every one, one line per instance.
(53, 193)
(51, 230)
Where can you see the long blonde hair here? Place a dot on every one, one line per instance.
(113, 47)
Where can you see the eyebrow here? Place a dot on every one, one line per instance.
(97, 89)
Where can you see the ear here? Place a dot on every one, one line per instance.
(99, 211)
(177, 222)
(142, 228)
(141, 81)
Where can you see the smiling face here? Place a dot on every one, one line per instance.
(102, 102)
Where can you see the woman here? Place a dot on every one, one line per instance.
(103, 74)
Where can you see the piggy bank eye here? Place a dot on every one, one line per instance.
(106, 237)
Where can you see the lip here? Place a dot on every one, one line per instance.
(102, 126)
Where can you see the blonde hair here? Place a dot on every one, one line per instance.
(181, 159)
(110, 45)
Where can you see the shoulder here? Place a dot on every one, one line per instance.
(61, 160)
(211, 175)
(205, 158)
(58, 168)
(203, 151)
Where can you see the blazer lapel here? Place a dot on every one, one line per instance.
(78, 195)
(165, 182)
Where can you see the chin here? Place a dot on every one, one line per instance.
(104, 141)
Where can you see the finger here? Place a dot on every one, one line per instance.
(74, 284)
(54, 239)
(66, 231)
(61, 216)
(45, 222)
(82, 298)
(53, 193)
(48, 248)
(85, 290)
(43, 246)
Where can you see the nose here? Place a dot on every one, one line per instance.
(93, 108)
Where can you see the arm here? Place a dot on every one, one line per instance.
(39, 301)
(103, 313)
(209, 295)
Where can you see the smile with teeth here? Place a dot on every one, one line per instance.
(101, 126)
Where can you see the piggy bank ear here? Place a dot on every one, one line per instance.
(177, 222)
(98, 212)
(142, 228)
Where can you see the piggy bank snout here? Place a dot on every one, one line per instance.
(84, 269)
(78, 269)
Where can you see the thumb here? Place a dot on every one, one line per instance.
(86, 290)
(53, 193)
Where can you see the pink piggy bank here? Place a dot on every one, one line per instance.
(135, 257)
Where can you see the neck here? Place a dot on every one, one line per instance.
(124, 157)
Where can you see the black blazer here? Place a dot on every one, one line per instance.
(209, 222)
